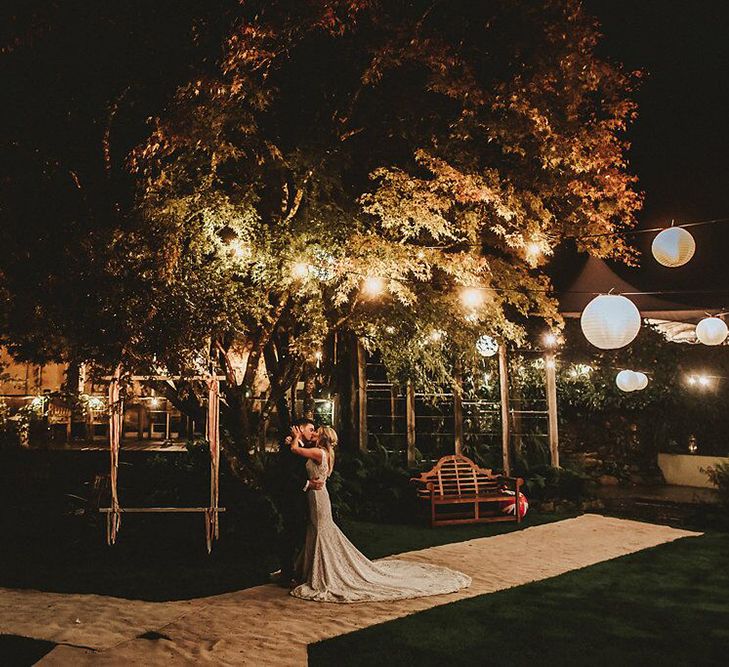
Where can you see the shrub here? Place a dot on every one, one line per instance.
(719, 476)
(372, 486)
(545, 483)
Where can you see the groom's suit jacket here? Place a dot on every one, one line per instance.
(293, 470)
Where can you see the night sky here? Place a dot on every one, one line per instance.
(680, 142)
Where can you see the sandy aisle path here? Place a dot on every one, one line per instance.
(261, 626)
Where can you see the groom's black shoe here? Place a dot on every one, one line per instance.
(283, 579)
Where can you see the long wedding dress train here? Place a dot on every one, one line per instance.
(335, 571)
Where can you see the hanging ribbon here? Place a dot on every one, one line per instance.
(113, 518)
(212, 528)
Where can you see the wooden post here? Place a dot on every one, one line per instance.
(362, 396)
(410, 420)
(458, 409)
(504, 387)
(140, 422)
(551, 378)
(393, 409)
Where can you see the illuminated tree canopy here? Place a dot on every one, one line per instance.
(356, 165)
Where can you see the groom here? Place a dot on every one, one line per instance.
(293, 504)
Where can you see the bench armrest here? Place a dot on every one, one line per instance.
(514, 482)
(427, 483)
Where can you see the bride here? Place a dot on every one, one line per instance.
(332, 568)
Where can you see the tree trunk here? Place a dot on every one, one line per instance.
(309, 387)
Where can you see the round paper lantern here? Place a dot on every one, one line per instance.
(673, 247)
(642, 381)
(711, 331)
(487, 346)
(610, 321)
(627, 381)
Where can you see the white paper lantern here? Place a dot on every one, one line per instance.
(487, 346)
(673, 247)
(642, 381)
(627, 381)
(610, 321)
(711, 331)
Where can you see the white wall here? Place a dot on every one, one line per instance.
(685, 469)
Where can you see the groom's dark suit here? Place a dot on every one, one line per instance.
(293, 506)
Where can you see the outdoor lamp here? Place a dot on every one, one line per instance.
(673, 247)
(711, 331)
(627, 380)
(642, 380)
(610, 321)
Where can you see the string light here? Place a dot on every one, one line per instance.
(701, 380)
(300, 270)
(550, 339)
(373, 286)
(533, 252)
(472, 297)
(239, 249)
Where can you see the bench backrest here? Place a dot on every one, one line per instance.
(457, 475)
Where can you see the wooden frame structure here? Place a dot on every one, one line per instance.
(359, 409)
(116, 412)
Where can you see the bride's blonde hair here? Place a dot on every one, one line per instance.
(328, 441)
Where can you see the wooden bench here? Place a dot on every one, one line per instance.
(472, 494)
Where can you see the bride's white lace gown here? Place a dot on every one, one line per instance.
(335, 571)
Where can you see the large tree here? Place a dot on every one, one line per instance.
(401, 170)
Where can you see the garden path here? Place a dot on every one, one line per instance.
(265, 626)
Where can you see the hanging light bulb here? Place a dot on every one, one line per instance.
(533, 251)
(300, 270)
(711, 331)
(610, 321)
(472, 297)
(550, 339)
(373, 286)
(436, 335)
(673, 247)
(239, 249)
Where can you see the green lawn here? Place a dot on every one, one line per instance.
(665, 606)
